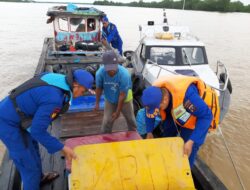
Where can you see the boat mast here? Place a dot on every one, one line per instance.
(183, 7)
(165, 20)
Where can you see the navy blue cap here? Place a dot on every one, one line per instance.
(105, 19)
(84, 78)
(110, 61)
(151, 99)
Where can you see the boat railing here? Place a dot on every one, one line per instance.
(83, 52)
(220, 67)
(154, 64)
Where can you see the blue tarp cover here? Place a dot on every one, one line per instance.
(85, 103)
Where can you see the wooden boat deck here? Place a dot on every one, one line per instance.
(86, 123)
(68, 126)
(72, 125)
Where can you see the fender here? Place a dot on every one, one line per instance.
(128, 54)
(87, 46)
(229, 84)
(137, 104)
(138, 84)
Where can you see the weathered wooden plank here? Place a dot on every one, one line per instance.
(41, 63)
(59, 161)
(87, 123)
(9, 176)
(54, 162)
(72, 58)
(47, 163)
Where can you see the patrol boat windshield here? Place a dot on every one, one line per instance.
(178, 55)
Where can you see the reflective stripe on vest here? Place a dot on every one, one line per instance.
(177, 86)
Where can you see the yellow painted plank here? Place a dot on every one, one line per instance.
(154, 164)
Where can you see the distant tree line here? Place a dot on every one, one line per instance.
(24, 1)
(203, 5)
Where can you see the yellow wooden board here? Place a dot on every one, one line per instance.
(154, 164)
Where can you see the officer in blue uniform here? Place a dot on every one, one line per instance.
(26, 114)
(194, 105)
(111, 35)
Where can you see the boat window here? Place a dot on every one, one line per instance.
(63, 24)
(77, 25)
(163, 55)
(192, 55)
(91, 25)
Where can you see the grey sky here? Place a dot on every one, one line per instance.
(245, 2)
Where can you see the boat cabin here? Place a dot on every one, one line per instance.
(174, 53)
(165, 50)
(78, 27)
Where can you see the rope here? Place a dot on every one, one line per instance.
(230, 155)
(178, 131)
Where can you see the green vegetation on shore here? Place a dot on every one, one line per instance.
(21, 1)
(202, 5)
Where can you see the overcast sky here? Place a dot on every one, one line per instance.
(246, 2)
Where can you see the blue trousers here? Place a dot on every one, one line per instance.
(118, 46)
(169, 130)
(26, 159)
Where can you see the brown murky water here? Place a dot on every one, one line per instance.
(227, 37)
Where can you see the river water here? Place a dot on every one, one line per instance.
(226, 35)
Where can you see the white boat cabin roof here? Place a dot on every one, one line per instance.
(152, 41)
(168, 35)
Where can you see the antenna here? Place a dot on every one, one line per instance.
(165, 20)
(183, 7)
(140, 29)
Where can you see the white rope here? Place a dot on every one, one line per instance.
(230, 155)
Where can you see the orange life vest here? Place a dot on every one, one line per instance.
(177, 85)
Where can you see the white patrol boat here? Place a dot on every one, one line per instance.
(169, 50)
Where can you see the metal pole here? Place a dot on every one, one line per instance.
(183, 7)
